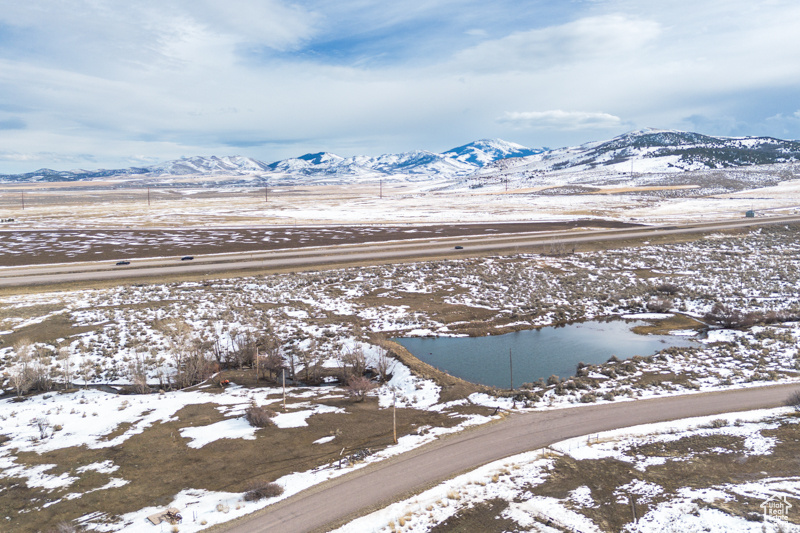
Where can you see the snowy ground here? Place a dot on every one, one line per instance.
(685, 509)
(52, 421)
(109, 336)
(668, 197)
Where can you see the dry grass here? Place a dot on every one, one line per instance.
(158, 464)
(665, 326)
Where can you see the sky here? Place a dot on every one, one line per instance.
(107, 84)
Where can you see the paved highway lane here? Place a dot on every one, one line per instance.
(334, 256)
(381, 483)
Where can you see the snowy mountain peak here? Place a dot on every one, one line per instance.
(206, 165)
(485, 151)
(654, 150)
(320, 158)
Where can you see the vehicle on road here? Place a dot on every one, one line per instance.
(122, 263)
(459, 247)
(187, 258)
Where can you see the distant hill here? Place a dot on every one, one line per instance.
(644, 151)
(654, 150)
(459, 161)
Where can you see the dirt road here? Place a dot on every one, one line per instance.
(335, 501)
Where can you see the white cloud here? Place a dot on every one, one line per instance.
(564, 120)
(581, 41)
(176, 78)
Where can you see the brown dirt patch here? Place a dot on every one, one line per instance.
(664, 326)
(483, 517)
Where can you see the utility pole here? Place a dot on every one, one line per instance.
(394, 414)
(266, 194)
(284, 388)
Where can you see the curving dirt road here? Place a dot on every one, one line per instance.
(336, 501)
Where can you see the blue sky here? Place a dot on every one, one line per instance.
(108, 84)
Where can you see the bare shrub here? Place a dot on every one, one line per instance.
(44, 427)
(262, 489)
(668, 288)
(137, 371)
(259, 417)
(64, 527)
(659, 305)
(723, 315)
(358, 387)
(794, 400)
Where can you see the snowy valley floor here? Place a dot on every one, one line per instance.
(106, 461)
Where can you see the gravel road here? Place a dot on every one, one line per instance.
(335, 501)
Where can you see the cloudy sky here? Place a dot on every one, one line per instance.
(109, 84)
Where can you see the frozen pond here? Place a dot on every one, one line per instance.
(537, 353)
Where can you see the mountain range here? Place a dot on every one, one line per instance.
(645, 151)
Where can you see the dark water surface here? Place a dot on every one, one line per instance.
(537, 353)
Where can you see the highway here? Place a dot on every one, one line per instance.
(342, 255)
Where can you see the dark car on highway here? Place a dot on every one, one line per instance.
(187, 258)
(122, 263)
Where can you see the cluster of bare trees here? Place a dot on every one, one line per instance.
(354, 370)
(730, 317)
(193, 363)
(39, 367)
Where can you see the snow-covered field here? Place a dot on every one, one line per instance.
(517, 482)
(646, 197)
(120, 336)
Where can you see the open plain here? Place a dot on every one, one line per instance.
(112, 383)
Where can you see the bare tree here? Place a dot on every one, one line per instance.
(385, 363)
(20, 379)
(65, 357)
(137, 370)
(192, 364)
(311, 360)
(353, 362)
(358, 387)
(22, 375)
(272, 359)
(87, 370)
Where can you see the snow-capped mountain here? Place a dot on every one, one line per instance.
(207, 165)
(459, 161)
(652, 150)
(486, 151)
(643, 151)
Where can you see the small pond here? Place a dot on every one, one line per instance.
(537, 353)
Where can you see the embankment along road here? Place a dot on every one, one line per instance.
(324, 506)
